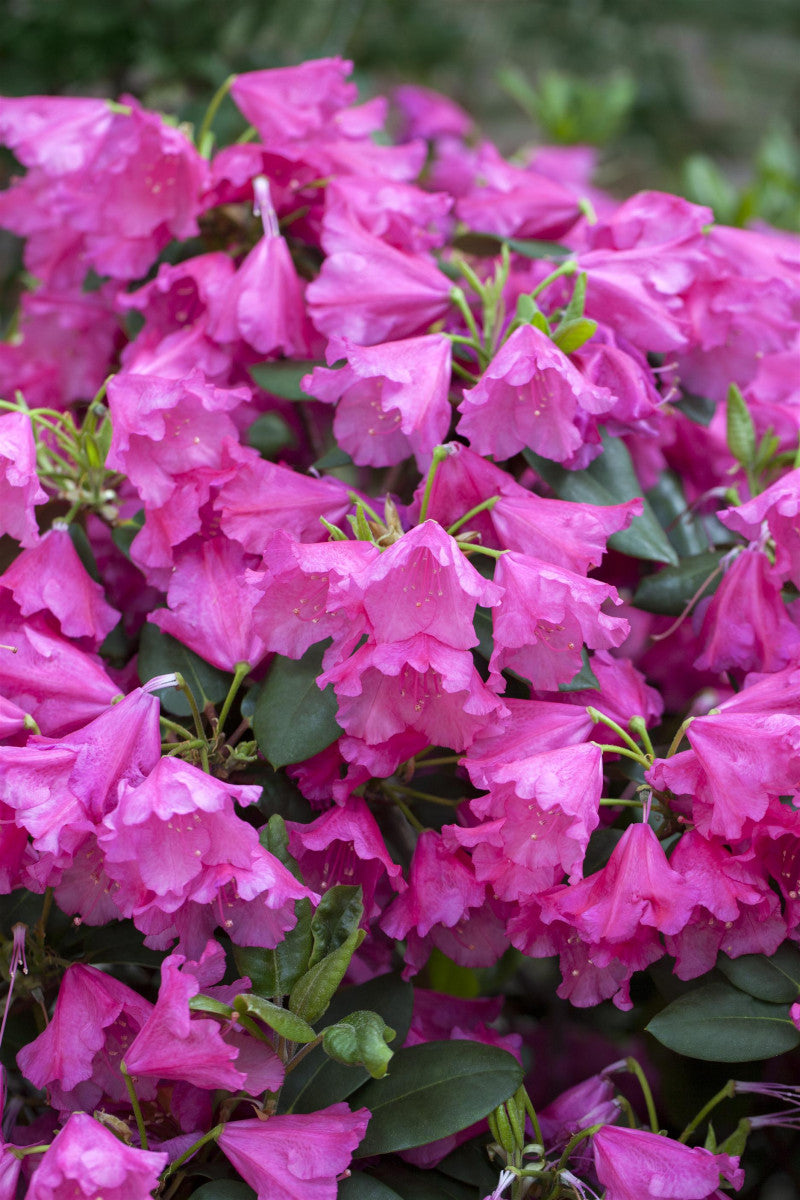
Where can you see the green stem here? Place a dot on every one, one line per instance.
(171, 748)
(137, 1112)
(633, 1067)
(175, 727)
(182, 686)
(610, 803)
(409, 816)
(627, 1108)
(211, 1136)
(470, 376)
(440, 453)
(471, 277)
(472, 548)
(724, 1093)
(567, 268)
(446, 760)
(609, 749)
(203, 136)
(597, 716)
(639, 727)
(537, 1129)
(417, 795)
(573, 1143)
(309, 1046)
(676, 741)
(460, 301)
(241, 671)
(354, 498)
(484, 506)
(22, 1151)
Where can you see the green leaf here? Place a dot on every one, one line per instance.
(585, 678)
(208, 1004)
(571, 335)
(224, 1189)
(697, 408)
(123, 534)
(434, 1090)
(359, 1186)
(318, 1081)
(776, 978)
(532, 248)
(337, 915)
(312, 993)
(285, 1023)
(283, 378)
(160, 654)
(609, 479)
(469, 1163)
(415, 1183)
(741, 432)
(669, 591)
(294, 719)
(83, 548)
(360, 1039)
(718, 1023)
(688, 532)
(269, 434)
(333, 458)
(275, 972)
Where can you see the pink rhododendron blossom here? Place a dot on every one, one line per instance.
(442, 888)
(778, 507)
(633, 1164)
(587, 1103)
(20, 489)
(86, 1159)
(295, 1157)
(50, 577)
(545, 617)
(400, 214)
(288, 103)
(514, 201)
(531, 396)
(391, 399)
(531, 727)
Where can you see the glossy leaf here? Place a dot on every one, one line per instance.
(294, 719)
(285, 1023)
(224, 1189)
(697, 408)
(283, 378)
(434, 1090)
(609, 479)
(160, 654)
(719, 1023)
(312, 993)
(359, 1186)
(689, 532)
(275, 972)
(337, 915)
(776, 979)
(269, 434)
(415, 1183)
(670, 590)
(585, 678)
(123, 534)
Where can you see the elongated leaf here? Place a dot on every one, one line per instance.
(434, 1090)
(609, 479)
(414, 1183)
(123, 534)
(365, 1187)
(160, 654)
(688, 533)
(697, 408)
(470, 1163)
(285, 1023)
(719, 1023)
(530, 248)
(312, 993)
(318, 1081)
(337, 915)
(776, 979)
(283, 378)
(275, 972)
(270, 434)
(224, 1189)
(585, 678)
(741, 432)
(671, 590)
(294, 719)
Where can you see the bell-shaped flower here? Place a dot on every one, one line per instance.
(531, 395)
(778, 506)
(20, 489)
(545, 617)
(86, 1159)
(288, 103)
(295, 1156)
(391, 399)
(401, 214)
(634, 1164)
(77, 1056)
(531, 727)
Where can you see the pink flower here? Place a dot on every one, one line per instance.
(401, 214)
(288, 103)
(633, 1164)
(295, 1157)
(531, 396)
(85, 1159)
(20, 489)
(778, 506)
(392, 398)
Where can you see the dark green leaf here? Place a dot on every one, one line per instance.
(275, 972)
(283, 378)
(360, 1039)
(286, 1024)
(317, 1081)
(160, 654)
(697, 408)
(718, 1023)
(530, 248)
(584, 679)
(470, 1163)
(776, 979)
(669, 591)
(434, 1090)
(294, 719)
(124, 533)
(312, 993)
(224, 1189)
(336, 457)
(337, 915)
(609, 479)
(415, 1183)
(269, 434)
(689, 533)
(83, 549)
(359, 1186)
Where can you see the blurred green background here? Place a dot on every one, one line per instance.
(698, 96)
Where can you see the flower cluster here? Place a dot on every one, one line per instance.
(398, 460)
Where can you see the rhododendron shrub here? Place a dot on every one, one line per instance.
(399, 664)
